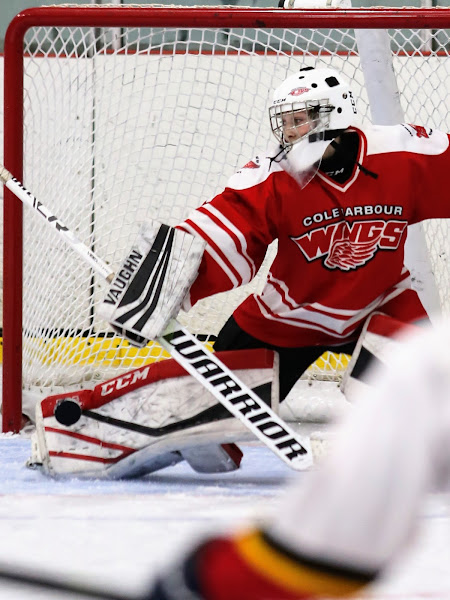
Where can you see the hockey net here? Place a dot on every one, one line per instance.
(135, 112)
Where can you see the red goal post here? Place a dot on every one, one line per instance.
(107, 134)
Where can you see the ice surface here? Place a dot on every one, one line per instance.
(115, 535)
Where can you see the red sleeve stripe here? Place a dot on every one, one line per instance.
(290, 573)
(240, 240)
(228, 242)
(215, 253)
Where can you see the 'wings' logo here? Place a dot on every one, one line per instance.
(346, 255)
(346, 246)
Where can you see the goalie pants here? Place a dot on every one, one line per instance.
(293, 361)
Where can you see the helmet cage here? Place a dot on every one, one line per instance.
(318, 112)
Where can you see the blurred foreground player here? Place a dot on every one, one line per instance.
(336, 533)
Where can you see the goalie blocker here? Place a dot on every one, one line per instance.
(147, 419)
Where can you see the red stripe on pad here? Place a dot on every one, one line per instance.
(79, 436)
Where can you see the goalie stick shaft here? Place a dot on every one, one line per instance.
(196, 359)
(238, 398)
(17, 188)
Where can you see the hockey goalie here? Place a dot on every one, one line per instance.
(158, 415)
(326, 191)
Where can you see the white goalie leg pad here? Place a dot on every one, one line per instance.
(152, 282)
(377, 341)
(142, 420)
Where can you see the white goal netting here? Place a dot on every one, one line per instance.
(125, 123)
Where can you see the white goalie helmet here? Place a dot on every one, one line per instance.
(308, 110)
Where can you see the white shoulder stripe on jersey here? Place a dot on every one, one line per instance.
(227, 244)
(229, 225)
(216, 257)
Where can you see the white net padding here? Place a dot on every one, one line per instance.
(152, 124)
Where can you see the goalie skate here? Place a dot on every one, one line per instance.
(142, 421)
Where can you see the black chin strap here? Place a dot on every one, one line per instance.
(279, 156)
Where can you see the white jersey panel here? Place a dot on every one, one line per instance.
(405, 138)
(255, 171)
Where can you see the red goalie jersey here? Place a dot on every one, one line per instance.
(340, 247)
